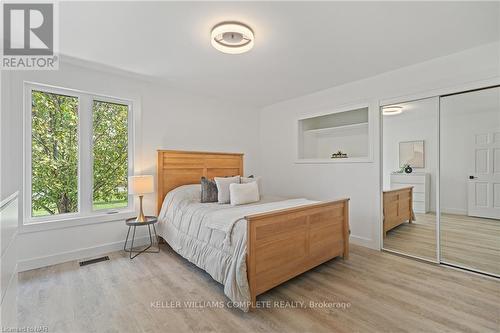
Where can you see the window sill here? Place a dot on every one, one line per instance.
(70, 222)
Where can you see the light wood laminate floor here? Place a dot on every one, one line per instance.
(417, 238)
(467, 241)
(381, 292)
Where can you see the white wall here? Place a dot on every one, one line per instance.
(9, 217)
(8, 260)
(8, 166)
(170, 119)
(419, 121)
(359, 181)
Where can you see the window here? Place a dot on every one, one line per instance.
(54, 154)
(79, 155)
(110, 155)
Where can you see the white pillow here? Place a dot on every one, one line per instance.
(244, 193)
(245, 180)
(223, 187)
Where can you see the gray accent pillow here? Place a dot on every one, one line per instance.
(252, 178)
(209, 191)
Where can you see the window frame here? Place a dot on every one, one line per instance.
(86, 214)
(130, 149)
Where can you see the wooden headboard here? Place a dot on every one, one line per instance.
(175, 168)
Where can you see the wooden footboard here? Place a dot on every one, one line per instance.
(285, 243)
(398, 207)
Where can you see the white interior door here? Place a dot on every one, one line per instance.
(484, 180)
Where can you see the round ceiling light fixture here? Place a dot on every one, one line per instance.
(392, 110)
(232, 37)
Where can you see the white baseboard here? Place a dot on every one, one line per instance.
(33, 263)
(38, 262)
(454, 211)
(363, 241)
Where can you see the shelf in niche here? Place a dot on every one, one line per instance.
(332, 130)
(333, 160)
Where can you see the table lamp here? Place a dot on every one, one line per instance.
(140, 185)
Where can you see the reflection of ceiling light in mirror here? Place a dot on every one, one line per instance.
(392, 110)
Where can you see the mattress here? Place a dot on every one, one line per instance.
(213, 236)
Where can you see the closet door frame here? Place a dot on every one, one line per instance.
(443, 261)
(437, 93)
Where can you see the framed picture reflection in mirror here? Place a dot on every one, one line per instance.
(412, 153)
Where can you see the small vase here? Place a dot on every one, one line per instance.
(408, 169)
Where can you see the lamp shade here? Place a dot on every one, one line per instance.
(140, 184)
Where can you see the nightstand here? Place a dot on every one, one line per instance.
(150, 221)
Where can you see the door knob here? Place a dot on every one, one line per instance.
(472, 177)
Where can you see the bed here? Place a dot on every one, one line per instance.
(398, 207)
(250, 248)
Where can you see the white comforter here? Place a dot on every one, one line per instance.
(213, 236)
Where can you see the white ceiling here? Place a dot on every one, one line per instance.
(299, 47)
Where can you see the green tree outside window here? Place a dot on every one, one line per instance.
(54, 141)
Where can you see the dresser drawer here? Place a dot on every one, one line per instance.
(416, 187)
(408, 179)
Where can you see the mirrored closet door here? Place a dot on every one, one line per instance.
(410, 165)
(470, 180)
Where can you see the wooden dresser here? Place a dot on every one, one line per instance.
(421, 188)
